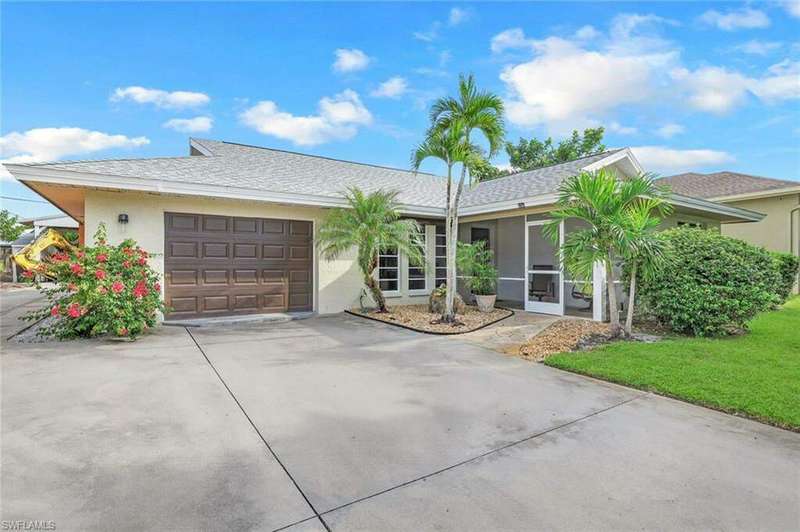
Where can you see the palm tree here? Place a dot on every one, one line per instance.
(604, 203)
(449, 146)
(645, 252)
(371, 223)
(452, 122)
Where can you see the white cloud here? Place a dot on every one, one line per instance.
(161, 98)
(391, 88)
(718, 90)
(444, 57)
(586, 33)
(510, 39)
(52, 143)
(458, 15)
(757, 47)
(198, 124)
(566, 83)
(350, 60)
(429, 35)
(747, 18)
(668, 131)
(663, 159)
(338, 119)
(616, 127)
(792, 7)
(713, 89)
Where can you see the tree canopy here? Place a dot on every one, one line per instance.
(530, 154)
(10, 228)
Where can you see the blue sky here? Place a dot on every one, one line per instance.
(690, 86)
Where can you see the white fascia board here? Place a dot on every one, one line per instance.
(532, 201)
(625, 153)
(757, 195)
(38, 174)
(716, 208)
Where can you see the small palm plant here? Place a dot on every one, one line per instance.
(371, 223)
(605, 203)
(645, 254)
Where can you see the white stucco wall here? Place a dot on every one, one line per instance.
(338, 283)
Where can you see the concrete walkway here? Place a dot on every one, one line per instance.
(506, 336)
(346, 424)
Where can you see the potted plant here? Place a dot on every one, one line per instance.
(474, 262)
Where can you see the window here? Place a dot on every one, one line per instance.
(416, 274)
(692, 225)
(389, 270)
(480, 233)
(441, 256)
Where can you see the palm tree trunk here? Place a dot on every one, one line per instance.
(631, 299)
(372, 284)
(448, 316)
(613, 309)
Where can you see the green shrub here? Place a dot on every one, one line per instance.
(99, 290)
(474, 262)
(714, 284)
(788, 267)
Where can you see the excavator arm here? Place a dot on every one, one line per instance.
(30, 256)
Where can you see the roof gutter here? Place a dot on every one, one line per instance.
(689, 202)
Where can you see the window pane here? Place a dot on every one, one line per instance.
(543, 287)
(387, 273)
(416, 284)
(388, 286)
(387, 262)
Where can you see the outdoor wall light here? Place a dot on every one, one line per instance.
(122, 218)
(521, 205)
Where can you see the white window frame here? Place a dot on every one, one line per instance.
(425, 267)
(436, 247)
(398, 268)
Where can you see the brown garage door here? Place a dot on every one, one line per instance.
(221, 265)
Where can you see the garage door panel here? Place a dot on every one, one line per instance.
(215, 250)
(218, 265)
(215, 224)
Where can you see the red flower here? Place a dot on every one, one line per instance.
(28, 274)
(102, 257)
(157, 287)
(117, 287)
(72, 287)
(55, 310)
(140, 290)
(143, 253)
(127, 251)
(59, 256)
(122, 331)
(100, 274)
(74, 310)
(76, 268)
(142, 261)
(81, 254)
(102, 289)
(126, 264)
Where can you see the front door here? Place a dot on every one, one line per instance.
(544, 286)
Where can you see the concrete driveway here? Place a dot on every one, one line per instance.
(347, 424)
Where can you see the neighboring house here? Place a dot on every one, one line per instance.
(232, 226)
(61, 222)
(779, 200)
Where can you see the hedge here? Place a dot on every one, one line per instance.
(714, 284)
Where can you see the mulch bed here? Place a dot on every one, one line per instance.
(418, 318)
(565, 335)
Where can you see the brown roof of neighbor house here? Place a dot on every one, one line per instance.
(722, 184)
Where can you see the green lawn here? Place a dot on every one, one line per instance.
(757, 374)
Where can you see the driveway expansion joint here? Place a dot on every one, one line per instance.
(260, 435)
(484, 454)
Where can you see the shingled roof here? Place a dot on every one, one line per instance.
(530, 183)
(270, 170)
(722, 184)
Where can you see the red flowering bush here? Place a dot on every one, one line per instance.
(99, 290)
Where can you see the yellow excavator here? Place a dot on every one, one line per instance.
(30, 256)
